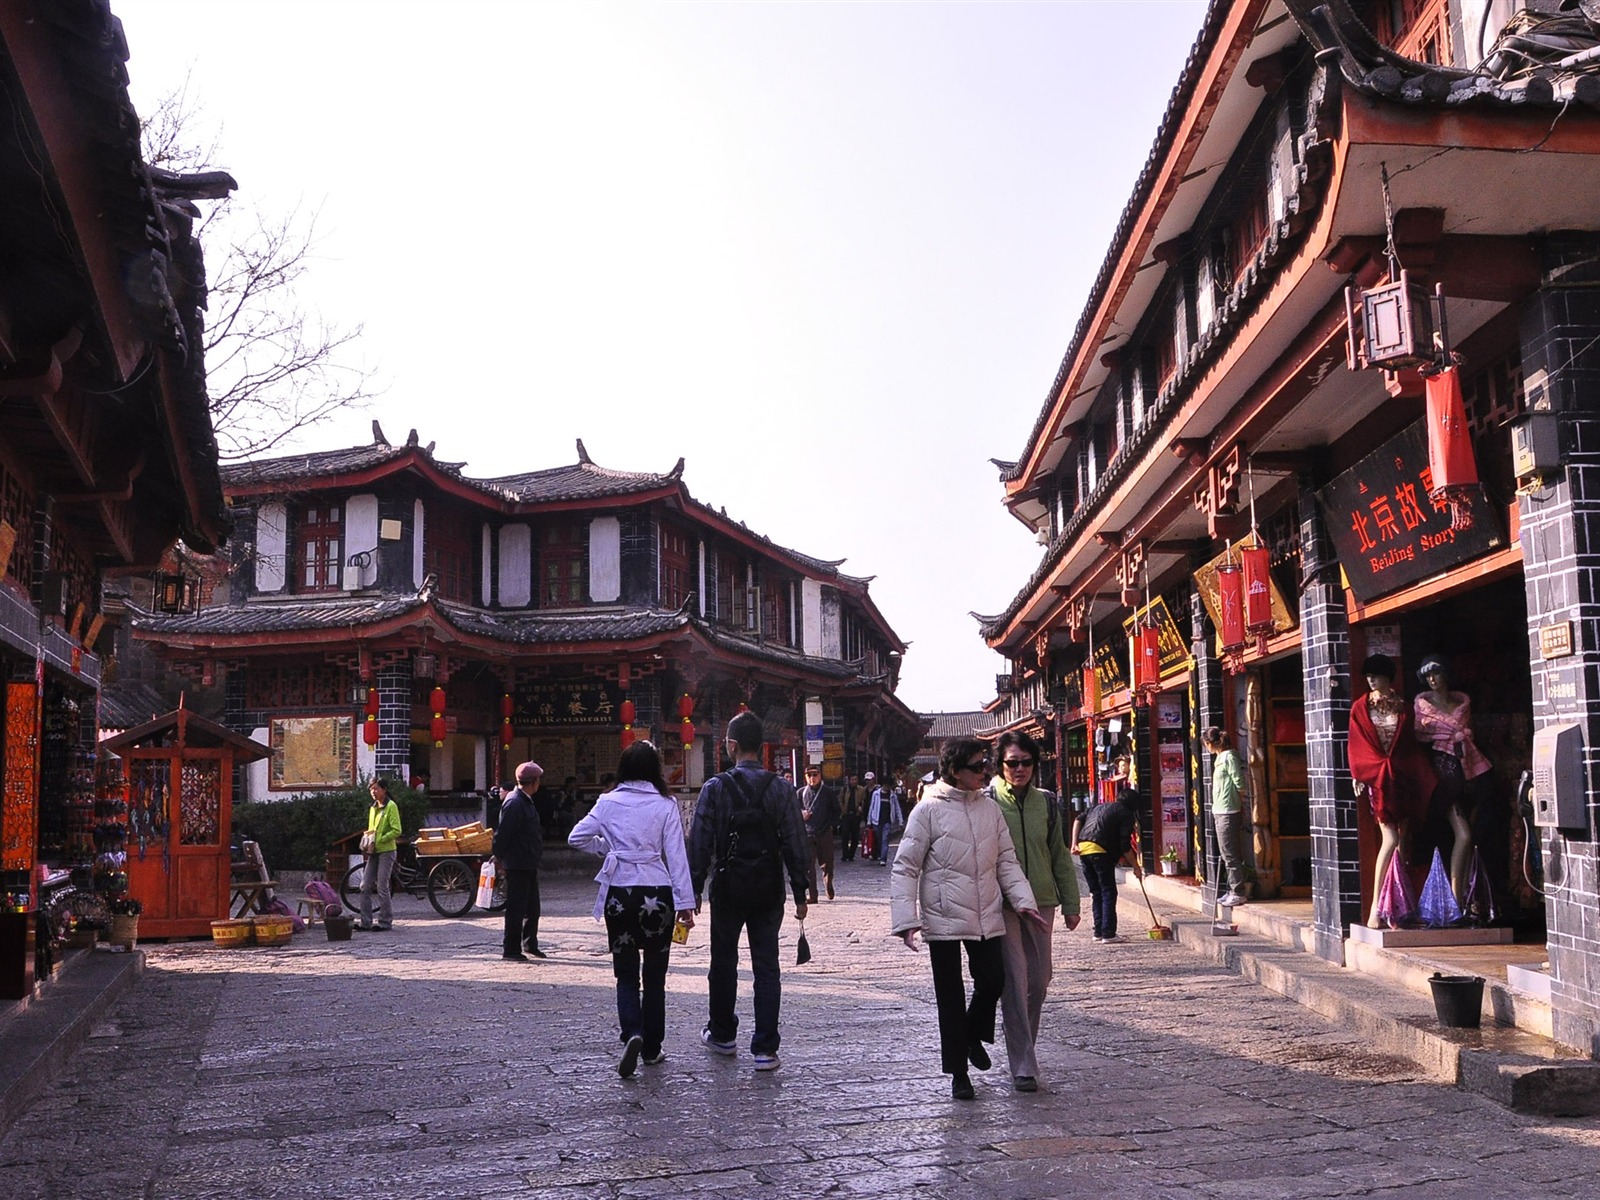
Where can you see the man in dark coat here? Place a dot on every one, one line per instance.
(518, 846)
(819, 809)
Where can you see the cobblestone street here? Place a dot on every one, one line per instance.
(418, 1064)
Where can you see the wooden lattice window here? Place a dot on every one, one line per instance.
(321, 685)
(74, 568)
(200, 802)
(564, 564)
(16, 510)
(675, 573)
(318, 536)
(1418, 29)
(449, 553)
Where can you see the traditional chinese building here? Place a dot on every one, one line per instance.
(386, 613)
(106, 447)
(1335, 393)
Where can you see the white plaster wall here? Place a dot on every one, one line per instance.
(811, 616)
(516, 566)
(605, 559)
(480, 763)
(832, 645)
(700, 590)
(272, 546)
(487, 596)
(256, 777)
(418, 544)
(360, 534)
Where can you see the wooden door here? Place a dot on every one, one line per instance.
(179, 810)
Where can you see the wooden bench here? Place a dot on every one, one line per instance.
(252, 882)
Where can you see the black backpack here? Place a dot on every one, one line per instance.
(749, 865)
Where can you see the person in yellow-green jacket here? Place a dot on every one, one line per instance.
(383, 822)
(1038, 831)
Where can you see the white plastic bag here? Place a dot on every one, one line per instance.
(486, 884)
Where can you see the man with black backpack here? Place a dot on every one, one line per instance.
(747, 836)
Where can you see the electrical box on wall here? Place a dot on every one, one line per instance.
(1559, 793)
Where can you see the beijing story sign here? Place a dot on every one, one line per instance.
(1387, 532)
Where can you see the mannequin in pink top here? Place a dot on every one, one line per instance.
(1444, 725)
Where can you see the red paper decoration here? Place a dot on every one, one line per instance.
(1452, 466)
(1091, 689)
(1147, 658)
(1257, 564)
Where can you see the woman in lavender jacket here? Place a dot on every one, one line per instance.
(643, 882)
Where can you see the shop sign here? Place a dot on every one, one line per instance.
(1388, 533)
(546, 702)
(1110, 667)
(1555, 641)
(1174, 646)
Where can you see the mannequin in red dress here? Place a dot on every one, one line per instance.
(1388, 766)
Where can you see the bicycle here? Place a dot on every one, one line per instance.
(449, 881)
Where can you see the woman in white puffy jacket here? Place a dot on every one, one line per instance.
(955, 869)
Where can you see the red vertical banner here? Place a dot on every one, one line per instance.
(19, 802)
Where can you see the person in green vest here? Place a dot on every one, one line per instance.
(383, 826)
(1038, 832)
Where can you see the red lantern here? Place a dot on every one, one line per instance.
(439, 729)
(436, 700)
(627, 736)
(686, 706)
(505, 735)
(628, 712)
(505, 707)
(369, 731)
(1091, 689)
(1230, 593)
(1452, 466)
(1257, 563)
(1147, 658)
(372, 704)
(688, 731)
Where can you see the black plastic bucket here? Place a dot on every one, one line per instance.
(1458, 999)
(338, 927)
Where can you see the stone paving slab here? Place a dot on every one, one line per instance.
(419, 1065)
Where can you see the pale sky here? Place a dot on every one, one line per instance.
(831, 253)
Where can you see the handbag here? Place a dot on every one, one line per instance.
(369, 842)
(802, 948)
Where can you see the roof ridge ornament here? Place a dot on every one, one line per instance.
(583, 455)
(377, 434)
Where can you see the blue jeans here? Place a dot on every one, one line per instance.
(883, 840)
(762, 931)
(641, 936)
(1101, 872)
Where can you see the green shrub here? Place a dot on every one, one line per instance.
(295, 835)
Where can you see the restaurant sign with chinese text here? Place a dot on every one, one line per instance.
(1387, 532)
(546, 702)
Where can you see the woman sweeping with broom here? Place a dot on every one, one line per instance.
(1105, 838)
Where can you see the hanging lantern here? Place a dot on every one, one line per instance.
(1230, 593)
(1091, 688)
(437, 726)
(685, 706)
(627, 736)
(369, 731)
(1258, 623)
(1452, 467)
(688, 733)
(628, 712)
(506, 734)
(372, 704)
(506, 707)
(1147, 658)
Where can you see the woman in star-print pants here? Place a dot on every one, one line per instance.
(644, 887)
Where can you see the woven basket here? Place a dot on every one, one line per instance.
(231, 935)
(273, 931)
(124, 931)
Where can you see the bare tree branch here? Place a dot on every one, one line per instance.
(273, 365)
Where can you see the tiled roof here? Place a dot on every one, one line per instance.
(955, 724)
(545, 628)
(288, 467)
(779, 654)
(125, 705)
(308, 614)
(578, 481)
(1516, 80)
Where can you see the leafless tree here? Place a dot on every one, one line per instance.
(274, 366)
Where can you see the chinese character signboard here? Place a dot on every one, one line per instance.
(546, 702)
(1111, 666)
(1173, 645)
(1386, 531)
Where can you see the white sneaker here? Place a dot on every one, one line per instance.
(767, 1062)
(1232, 900)
(1115, 937)
(715, 1046)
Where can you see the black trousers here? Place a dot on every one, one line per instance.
(961, 1023)
(522, 910)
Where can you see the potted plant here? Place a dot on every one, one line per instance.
(125, 912)
(1169, 861)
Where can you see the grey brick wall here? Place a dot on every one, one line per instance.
(1561, 563)
(1208, 692)
(1325, 655)
(394, 721)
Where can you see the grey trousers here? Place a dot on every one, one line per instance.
(1230, 844)
(1026, 949)
(376, 880)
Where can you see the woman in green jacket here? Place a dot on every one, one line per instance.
(1037, 831)
(383, 823)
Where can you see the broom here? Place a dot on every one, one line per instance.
(1158, 931)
